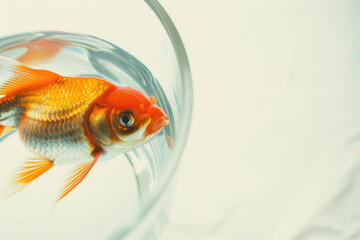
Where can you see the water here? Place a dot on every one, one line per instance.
(113, 191)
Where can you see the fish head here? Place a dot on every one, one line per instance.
(129, 118)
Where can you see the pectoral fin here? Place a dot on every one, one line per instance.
(168, 139)
(27, 172)
(78, 175)
(5, 130)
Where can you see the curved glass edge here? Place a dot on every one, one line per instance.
(187, 91)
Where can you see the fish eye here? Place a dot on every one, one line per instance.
(126, 120)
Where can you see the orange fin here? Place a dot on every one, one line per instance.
(29, 171)
(153, 99)
(5, 130)
(168, 139)
(18, 76)
(77, 176)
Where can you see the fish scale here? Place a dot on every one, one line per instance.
(54, 140)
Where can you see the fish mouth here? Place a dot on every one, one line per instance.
(157, 125)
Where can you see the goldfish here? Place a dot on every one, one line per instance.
(71, 120)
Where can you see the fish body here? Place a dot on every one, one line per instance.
(71, 120)
(51, 119)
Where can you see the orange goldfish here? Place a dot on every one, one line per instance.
(71, 120)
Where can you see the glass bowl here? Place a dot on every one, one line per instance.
(132, 43)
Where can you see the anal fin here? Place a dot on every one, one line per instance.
(26, 173)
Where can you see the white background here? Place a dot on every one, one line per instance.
(274, 150)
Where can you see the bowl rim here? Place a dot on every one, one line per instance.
(185, 118)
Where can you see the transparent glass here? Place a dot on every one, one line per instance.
(131, 43)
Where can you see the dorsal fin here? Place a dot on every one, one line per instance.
(16, 77)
